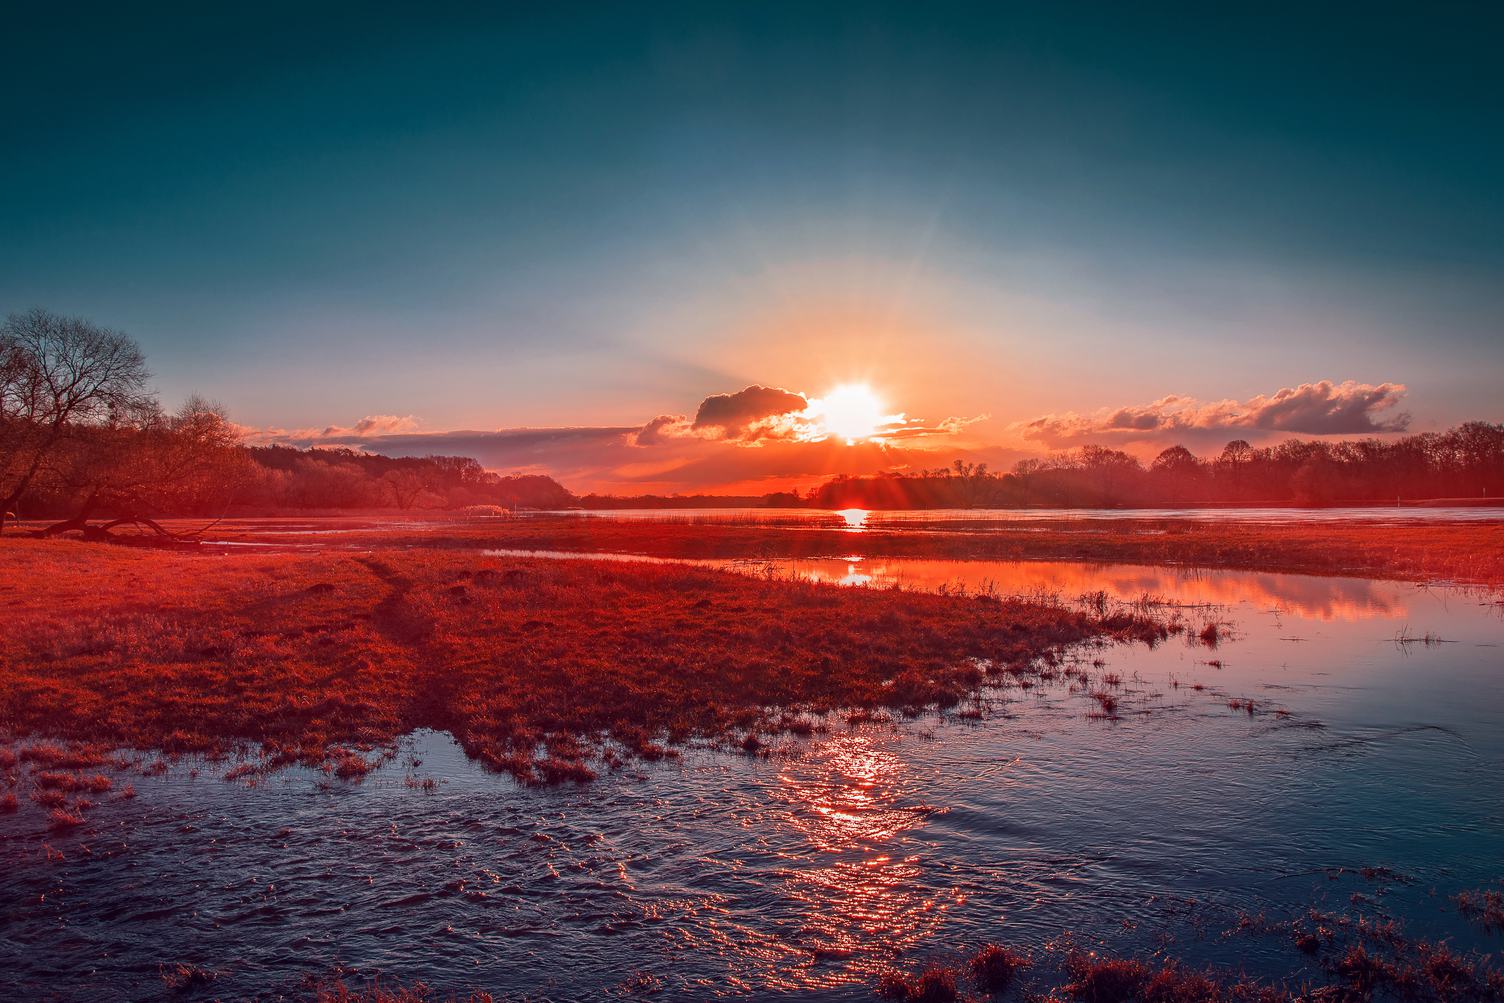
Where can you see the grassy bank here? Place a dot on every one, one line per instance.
(545, 670)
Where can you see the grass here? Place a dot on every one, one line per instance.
(339, 992)
(549, 671)
(1358, 958)
(934, 984)
(1484, 906)
(182, 978)
(1366, 957)
(994, 967)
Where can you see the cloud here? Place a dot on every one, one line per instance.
(661, 429)
(914, 428)
(371, 426)
(380, 424)
(757, 439)
(746, 413)
(1321, 408)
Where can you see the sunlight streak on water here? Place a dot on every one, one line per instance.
(855, 518)
(852, 799)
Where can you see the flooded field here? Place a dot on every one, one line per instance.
(1340, 746)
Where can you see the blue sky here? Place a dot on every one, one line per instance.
(590, 215)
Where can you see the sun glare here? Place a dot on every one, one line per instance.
(851, 412)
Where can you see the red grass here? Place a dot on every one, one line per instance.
(52, 780)
(1106, 701)
(1104, 980)
(64, 819)
(1486, 906)
(418, 992)
(72, 756)
(935, 984)
(181, 977)
(348, 765)
(538, 669)
(49, 798)
(8, 803)
(994, 967)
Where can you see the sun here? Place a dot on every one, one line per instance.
(851, 411)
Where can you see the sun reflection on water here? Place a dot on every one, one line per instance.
(856, 518)
(854, 803)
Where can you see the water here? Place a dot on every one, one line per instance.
(897, 519)
(806, 873)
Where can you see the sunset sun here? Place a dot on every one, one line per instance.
(851, 411)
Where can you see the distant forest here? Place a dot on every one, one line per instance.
(1466, 462)
(285, 477)
(85, 443)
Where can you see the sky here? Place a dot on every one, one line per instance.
(551, 237)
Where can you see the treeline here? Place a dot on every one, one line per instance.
(288, 478)
(85, 443)
(610, 502)
(1466, 462)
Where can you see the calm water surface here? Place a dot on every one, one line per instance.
(805, 873)
(857, 518)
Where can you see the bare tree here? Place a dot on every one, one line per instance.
(129, 472)
(405, 486)
(58, 375)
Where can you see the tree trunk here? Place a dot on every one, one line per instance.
(8, 508)
(79, 521)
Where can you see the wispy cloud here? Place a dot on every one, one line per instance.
(369, 427)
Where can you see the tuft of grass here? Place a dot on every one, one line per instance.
(62, 819)
(1484, 906)
(994, 967)
(1104, 980)
(934, 984)
(419, 992)
(182, 978)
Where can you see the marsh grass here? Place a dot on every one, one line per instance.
(549, 671)
(338, 991)
(1403, 638)
(1485, 906)
(1356, 957)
